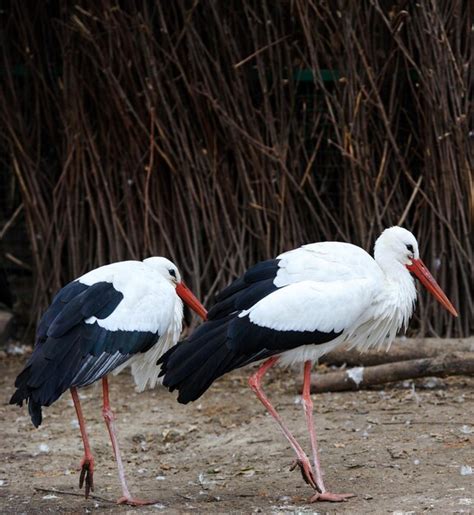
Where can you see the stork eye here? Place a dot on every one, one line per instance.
(410, 248)
(172, 272)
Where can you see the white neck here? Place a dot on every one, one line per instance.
(400, 287)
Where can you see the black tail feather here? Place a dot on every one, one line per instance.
(24, 394)
(36, 414)
(213, 349)
(38, 382)
(200, 379)
(194, 364)
(190, 355)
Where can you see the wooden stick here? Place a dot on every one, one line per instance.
(75, 494)
(450, 364)
(10, 221)
(401, 350)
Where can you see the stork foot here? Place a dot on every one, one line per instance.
(329, 497)
(130, 501)
(86, 477)
(306, 471)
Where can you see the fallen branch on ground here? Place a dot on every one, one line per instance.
(450, 364)
(75, 494)
(401, 350)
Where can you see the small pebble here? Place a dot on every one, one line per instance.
(43, 447)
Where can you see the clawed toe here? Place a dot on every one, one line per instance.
(86, 477)
(330, 497)
(130, 501)
(306, 472)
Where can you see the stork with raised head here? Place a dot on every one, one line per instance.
(125, 313)
(297, 307)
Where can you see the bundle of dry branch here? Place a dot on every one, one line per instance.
(221, 133)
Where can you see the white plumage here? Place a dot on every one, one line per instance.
(144, 369)
(149, 297)
(332, 286)
(150, 303)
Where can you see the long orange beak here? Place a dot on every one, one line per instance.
(419, 269)
(190, 299)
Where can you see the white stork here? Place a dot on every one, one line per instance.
(297, 307)
(125, 313)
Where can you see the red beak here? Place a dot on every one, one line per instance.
(190, 299)
(419, 269)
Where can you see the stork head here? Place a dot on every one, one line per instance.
(396, 246)
(169, 271)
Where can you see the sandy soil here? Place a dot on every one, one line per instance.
(400, 449)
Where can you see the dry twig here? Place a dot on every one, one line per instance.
(75, 494)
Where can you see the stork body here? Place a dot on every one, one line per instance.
(296, 308)
(125, 313)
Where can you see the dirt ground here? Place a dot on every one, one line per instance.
(402, 449)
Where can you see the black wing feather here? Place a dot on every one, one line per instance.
(244, 292)
(70, 352)
(229, 340)
(63, 296)
(85, 305)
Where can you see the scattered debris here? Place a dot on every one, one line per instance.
(246, 472)
(432, 382)
(171, 435)
(397, 453)
(205, 483)
(15, 349)
(356, 374)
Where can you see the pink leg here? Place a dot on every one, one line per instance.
(87, 463)
(109, 418)
(323, 494)
(302, 460)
